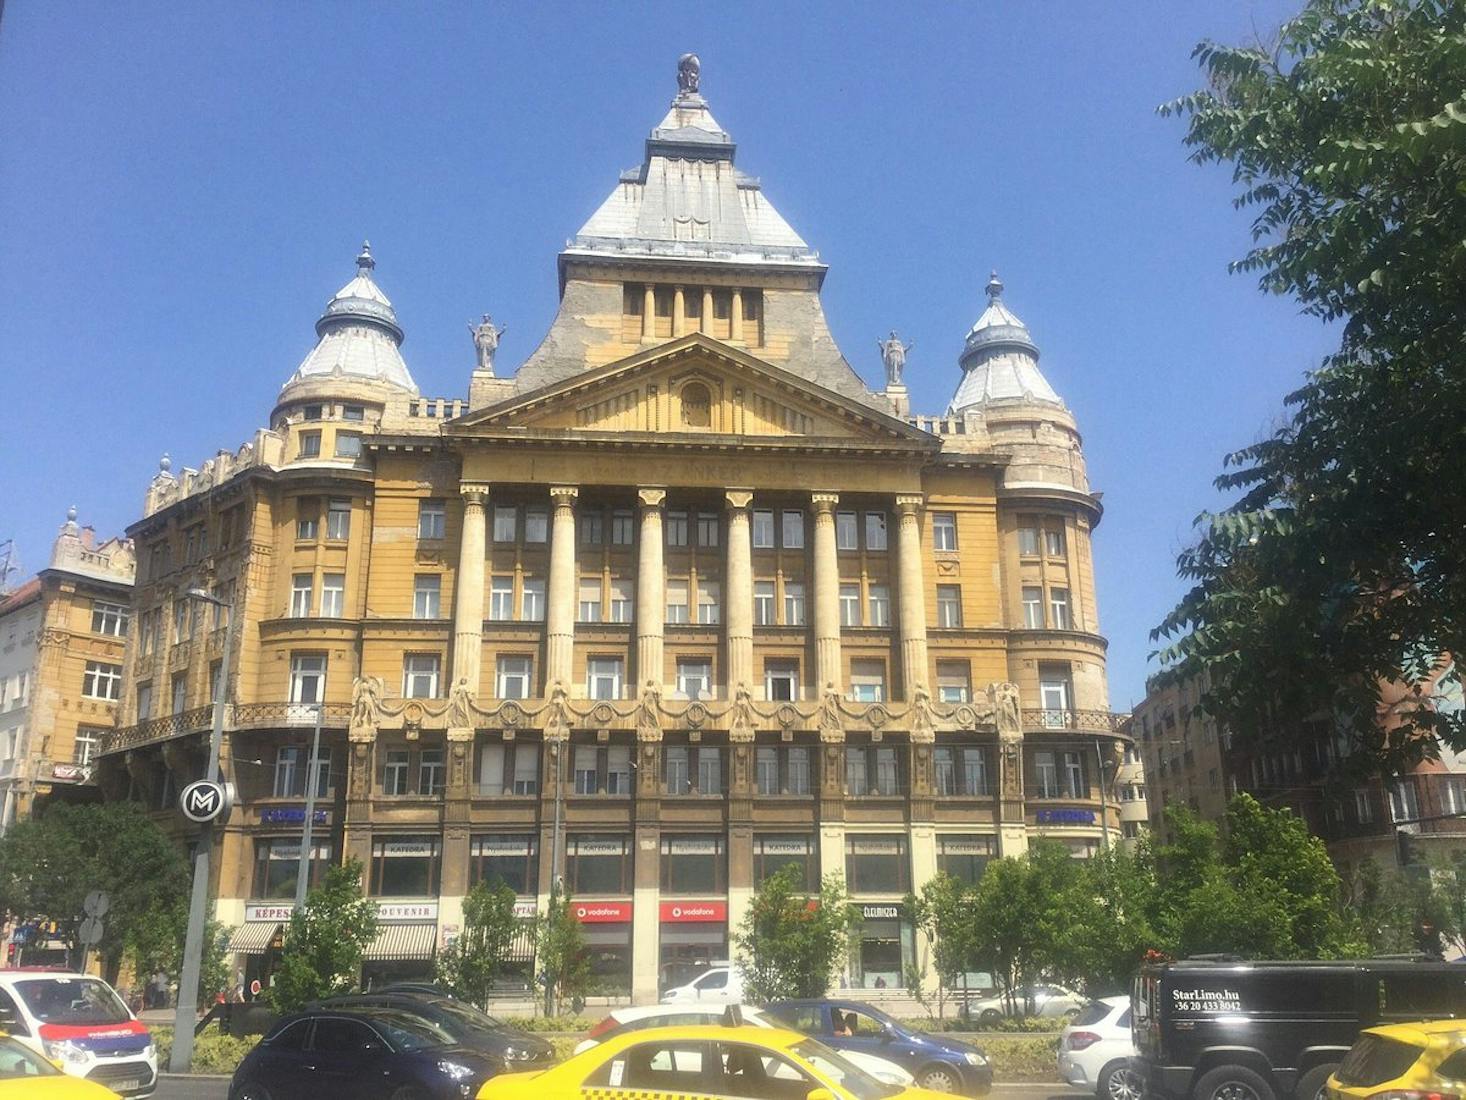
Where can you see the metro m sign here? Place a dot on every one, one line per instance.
(204, 801)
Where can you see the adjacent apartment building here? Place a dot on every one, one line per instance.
(676, 602)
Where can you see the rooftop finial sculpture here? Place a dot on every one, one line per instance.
(689, 74)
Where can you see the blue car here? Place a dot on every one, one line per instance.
(360, 1054)
(937, 1062)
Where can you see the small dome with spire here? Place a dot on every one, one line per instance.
(999, 359)
(359, 336)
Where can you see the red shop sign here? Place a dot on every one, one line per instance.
(602, 912)
(692, 912)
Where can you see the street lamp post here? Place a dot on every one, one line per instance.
(557, 752)
(302, 877)
(193, 945)
(1104, 797)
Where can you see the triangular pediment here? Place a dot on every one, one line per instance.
(690, 387)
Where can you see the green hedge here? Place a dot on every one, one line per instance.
(1026, 1059)
(566, 1024)
(1037, 1025)
(213, 1051)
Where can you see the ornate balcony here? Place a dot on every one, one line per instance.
(240, 716)
(1079, 721)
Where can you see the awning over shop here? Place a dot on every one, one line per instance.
(402, 941)
(253, 938)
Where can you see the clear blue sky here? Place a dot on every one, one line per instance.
(183, 186)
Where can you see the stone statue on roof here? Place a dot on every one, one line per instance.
(689, 74)
(893, 354)
(486, 341)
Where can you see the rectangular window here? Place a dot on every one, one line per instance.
(592, 527)
(532, 600)
(772, 852)
(857, 770)
(182, 621)
(430, 772)
(875, 531)
(850, 605)
(590, 600)
(944, 530)
(353, 412)
(846, 531)
(504, 522)
(427, 596)
(798, 769)
(707, 529)
(694, 677)
(1074, 784)
(395, 770)
(603, 677)
(277, 865)
(511, 678)
(110, 618)
(333, 595)
(536, 525)
(431, 519)
(766, 770)
(144, 702)
(677, 601)
(405, 867)
(708, 605)
(180, 693)
(84, 746)
(676, 525)
(1033, 607)
(763, 603)
(597, 864)
(676, 769)
(954, 682)
(623, 529)
(348, 444)
(618, 770)
(888, 771)
(949, 605)
(621, 600)
(1404, 803)
(878, 605)
(585, 769)
(501, 598)
(1453, 794)
(338, 519)
(1046, 774)
(1059, 608)
(793, 529)
(965, 856)
(307, 677)
(877, 864)
(1363, 807)
(420, 676)
(102, 681)
(793, 603)
(763, 529)
(302, 590)
(1054, 541)
(526, 768)
(307, 518)
(709, 770)
(781, 680)
(694, 865)
(512, 860)
(1028, 541)
(868, 681)
(310, 445)
(1054, 695)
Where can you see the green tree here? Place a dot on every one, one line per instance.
(324, 941)
(792, 945)
(943, 913)
(560, 953)
(50, 862)
(1335, 571)
(471, 963)
(1115, 921)
(157, 944)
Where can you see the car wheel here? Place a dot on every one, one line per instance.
(252, 1091)
(1233, 1083)
(989, 1016)
(1313, 1085)
(939, 1078)
(1117, 1081)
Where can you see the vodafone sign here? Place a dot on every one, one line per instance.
(694, 912)
(602, 912)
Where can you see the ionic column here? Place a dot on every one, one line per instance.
(649, 313)
(738, 577)
(560, 604)
(826, 594)
(736, 315)
(651, 594)
(468, 589)
(912, 594)
(679, 312)
(705, 322)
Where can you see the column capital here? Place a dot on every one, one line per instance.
(652, 498)
(563, 496)
(824, 502)
(738, 499)
(474, 493)
(909, 504)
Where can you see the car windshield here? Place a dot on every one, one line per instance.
(18, 1061)
(847, 1075)
(406, 1031)
(72, 1000)
(467, 1015)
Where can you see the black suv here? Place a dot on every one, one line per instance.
(1226, 1029)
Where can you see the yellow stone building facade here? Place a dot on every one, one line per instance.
(677, 602)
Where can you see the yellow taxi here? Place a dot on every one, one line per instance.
(25, 1075)
(1425, 1061)
(734, 1061)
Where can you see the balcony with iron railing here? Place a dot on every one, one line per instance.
(1079, 721)
(238, 716)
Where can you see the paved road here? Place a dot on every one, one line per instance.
(217, 1088)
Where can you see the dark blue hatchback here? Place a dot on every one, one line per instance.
(365, 1054)
(936, 1061)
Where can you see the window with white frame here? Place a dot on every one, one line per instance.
(622, 601)
(677, 601)
(949, 605)
(353, 412)
(585, 768)
(430, 771)
(676, 769)
(847, 531)
(1059, 608)
(102, 680)
(676, 528)
(395, 770)
(505, 525)
(707, 529)
(307, 677)
(792, 523)
(1054, 693)
(763, 529)
(84, 745)
(709, 770)
(511, 677)
(1054, 540)
(857, 770)
(618, 770)
(1028, 540)
(878, 605)
(310, 445)
(302, 588)
(954, 682)
(432, 518)
(1046, 773)
(944, 530)
(709, 605)
(1404, 802)
(1453, 794)
(603, 676)
(694, 677)
(427, 596)
(592, 527)
(875, 531)
(868, 680)
(110, 618)
(333, 595)
(1074, 784)
(590, 600)
(526, 775)
(180, 693)
(793, 603)
(348, 444)
(536, 525)
(850, 605)
(420, 675)
(338, 519)
(307, 518)
(623, 528)
(1033, 607)
(781, 680)
(501, 598)
(532, 599)
(766, 770)
(763, 603)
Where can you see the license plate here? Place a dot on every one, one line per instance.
(130, 1085)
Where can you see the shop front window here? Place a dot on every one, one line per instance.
(511, 859)
(597, 865)
(405, 867)
(877, 864)
(277, 866)
(964, 856)
(694, 865)
(775, 851)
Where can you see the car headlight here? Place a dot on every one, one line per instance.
(973, 1058)
(455, 1071)
(66, 1051)
(149, 1051)
(518, 1054)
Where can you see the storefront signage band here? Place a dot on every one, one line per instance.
(1064, 817)
(602, 912)
(880, 912)
(272, 913)
(692, 912)
(289, 815)
(386, 910)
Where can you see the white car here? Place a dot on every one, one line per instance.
(1048, 1000)
(720, 984)
(628, 1019)
(1095, 1050)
